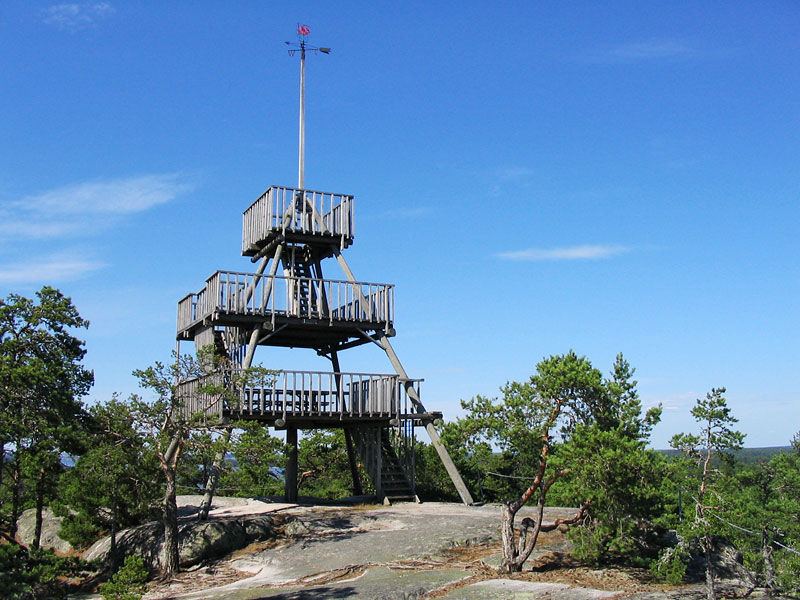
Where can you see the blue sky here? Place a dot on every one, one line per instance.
(534, 177)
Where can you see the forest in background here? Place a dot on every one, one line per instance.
(568, 436)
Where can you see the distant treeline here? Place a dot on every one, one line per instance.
(746, 456)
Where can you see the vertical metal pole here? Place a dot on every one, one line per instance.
(301, 167)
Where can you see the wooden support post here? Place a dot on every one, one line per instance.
(351, 458)
(358, 490)
(448, 463)
(251, 288)
(444, 455)
(251, 346)
(338, 376)
(290, 475)
(379, 466)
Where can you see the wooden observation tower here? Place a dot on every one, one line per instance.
(287, 302)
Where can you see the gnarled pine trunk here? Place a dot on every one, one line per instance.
(708, 546)
(516, 550)
(510, 563)
(169, 558)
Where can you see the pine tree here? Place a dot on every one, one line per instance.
(716, 439)
(113, 485)
(765, 509)
(170, 428)
(41, 383)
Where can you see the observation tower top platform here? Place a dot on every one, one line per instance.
(284, 214)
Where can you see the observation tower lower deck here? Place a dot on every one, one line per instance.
(301, 312)
(306, 399)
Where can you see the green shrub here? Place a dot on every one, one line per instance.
(34, 573)
(671, 565)
(128, 583)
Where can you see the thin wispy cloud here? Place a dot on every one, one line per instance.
(55, 268)
(644, 51)
(585, 252)
(678, 401)
(87, 207)
(118, 196)
(75, 16)
(508, 176)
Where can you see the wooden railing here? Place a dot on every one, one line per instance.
(316, 393)
(282, 209)
(302, 297)
(303, 394)
(194, 402)
(187, 311)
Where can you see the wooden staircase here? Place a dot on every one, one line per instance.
(230, 343)
(396, 486)
(305, 304)
(384, 467)
(307, 282)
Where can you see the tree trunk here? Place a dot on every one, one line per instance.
(16, 482)
(514, 556)
(510, 564)
(114, 557)
(769, 568)
(2, 467)
(37, 533)
(170, 518)
(707, 549)
(700, 517)
(213, 476)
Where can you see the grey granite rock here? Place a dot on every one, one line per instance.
(26, 526)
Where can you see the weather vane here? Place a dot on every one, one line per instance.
(294, 47)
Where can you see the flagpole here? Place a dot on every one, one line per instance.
(302, 46)
(301, 166)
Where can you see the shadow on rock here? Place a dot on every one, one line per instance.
(328, 529)
(319, 592)
(198, 540)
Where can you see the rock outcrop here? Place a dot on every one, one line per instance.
(26, 526)
(198, 540)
